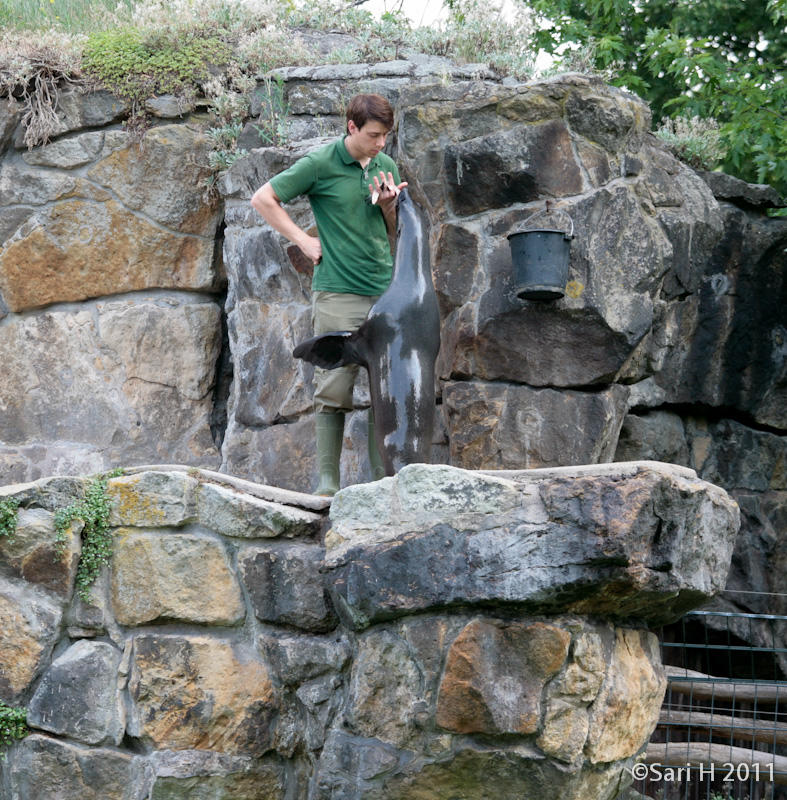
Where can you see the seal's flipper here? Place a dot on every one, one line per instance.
(329, 350)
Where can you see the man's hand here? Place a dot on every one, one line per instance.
(311, 247)
(267, 204)
(384, 191)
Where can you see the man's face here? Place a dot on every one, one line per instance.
(369, 139)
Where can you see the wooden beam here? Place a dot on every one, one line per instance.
(721, 756)
(753, 730)
(723, 688)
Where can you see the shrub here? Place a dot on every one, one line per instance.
(695, 141)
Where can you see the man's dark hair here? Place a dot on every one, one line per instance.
(365, 107)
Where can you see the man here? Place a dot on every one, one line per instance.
(352, 187)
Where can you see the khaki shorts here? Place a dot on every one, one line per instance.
(333, 311)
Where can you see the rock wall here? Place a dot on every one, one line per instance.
(454, 634)
(140, 325)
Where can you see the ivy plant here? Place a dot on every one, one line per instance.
(13, 724)
(9, 515)
(93, 510)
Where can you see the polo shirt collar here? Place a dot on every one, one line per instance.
(347, 158)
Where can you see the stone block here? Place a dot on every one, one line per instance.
(500, 426)
(77, 248)
(233, 513)
(301, 658)
(494, 675)
(30, 553)
(385, 690)
(164, 179)
(29, 629)
(225, 700)
(192, 774)
(641, 540)
(627, 707)
(254, 453)
(10, 114)
(167, 577)
(656, 436)
(67, 153)
(757, 196)
(269, 386)
(88, 401)
(42, 767)
(455, 266)
(285, 585)
(518, 166)
(78, 696)
(605, 120)
(185, 339)
(153, 500)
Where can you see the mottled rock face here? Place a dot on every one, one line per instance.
(42, 766)
(495, 674)
(675, 281)
(78, 696)
(653, 270)
(387, 557)
(185, 578)
(224, 703)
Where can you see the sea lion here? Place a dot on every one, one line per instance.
(398, 344)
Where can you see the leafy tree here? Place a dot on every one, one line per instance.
(716, 58)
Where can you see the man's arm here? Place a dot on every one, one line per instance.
(268, 206)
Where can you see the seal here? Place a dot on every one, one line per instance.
(398, 345)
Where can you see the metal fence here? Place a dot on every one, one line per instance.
(722, 732)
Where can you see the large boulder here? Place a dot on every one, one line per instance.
(583, 541)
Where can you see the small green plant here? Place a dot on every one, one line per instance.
(93, 510)
(695, 141)
(9, 515)
(273, 125)
(13, 724)
(138, 64)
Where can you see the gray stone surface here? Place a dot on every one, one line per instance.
(663, 520)
(116, 395)
(285, 585)
(43, 767)
(192, 774)
(505, 426)
(78, 696)
(187, 578)
(748, 195)
(232, 513)
(29, 629)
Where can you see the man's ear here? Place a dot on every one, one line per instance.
(352, 128)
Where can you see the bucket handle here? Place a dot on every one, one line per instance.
(548, 210)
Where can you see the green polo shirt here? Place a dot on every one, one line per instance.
(356, 255)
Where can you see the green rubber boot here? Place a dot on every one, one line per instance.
(375, 460)
(330, 432)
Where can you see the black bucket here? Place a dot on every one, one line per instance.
(540, 259)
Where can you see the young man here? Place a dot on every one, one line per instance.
(352, 187)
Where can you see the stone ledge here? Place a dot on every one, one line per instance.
(639, 540)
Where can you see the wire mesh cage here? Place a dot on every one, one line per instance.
(722, 732)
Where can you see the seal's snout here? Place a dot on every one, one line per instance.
(402, 198)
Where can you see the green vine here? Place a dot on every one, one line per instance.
(93, 510)
(9, 515)
(13, 724)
